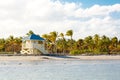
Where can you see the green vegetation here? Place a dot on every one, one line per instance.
(56, 43)
(10, 45)
(75, 52)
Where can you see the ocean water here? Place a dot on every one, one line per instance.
(60, 70)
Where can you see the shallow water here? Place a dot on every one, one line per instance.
(60, 70)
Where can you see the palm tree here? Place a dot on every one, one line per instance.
(96, 43)
(69, 33)
(53, 36)
(62, 42)
(60, 45)
(45, 36)
(13, 44)
(47, 40)
(30, 32)
(96, 39)
(80, 44)
(89, 43)
(2, 44)
(17, 44)
(9, 44)
(114, 42)
(105, 43)
(62, 35)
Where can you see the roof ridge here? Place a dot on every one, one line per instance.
(33, 37)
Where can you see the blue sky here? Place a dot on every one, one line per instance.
(89, 3)
(84, 17)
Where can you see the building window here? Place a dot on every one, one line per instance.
(40, 42)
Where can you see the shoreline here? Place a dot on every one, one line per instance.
(34, 58)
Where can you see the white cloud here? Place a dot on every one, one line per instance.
(97, 10)
(43, 16)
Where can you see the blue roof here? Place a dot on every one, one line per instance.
(33, 37)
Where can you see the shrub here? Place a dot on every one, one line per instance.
(75, 52)
(6, 52)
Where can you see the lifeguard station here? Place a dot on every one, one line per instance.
(33, 44)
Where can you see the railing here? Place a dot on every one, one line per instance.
(41, 48)
(27, 45)
(37, 46)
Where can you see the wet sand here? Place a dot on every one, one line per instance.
(29, 58)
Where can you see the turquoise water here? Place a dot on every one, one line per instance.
(60, 70)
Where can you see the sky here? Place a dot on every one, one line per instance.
(84, 17)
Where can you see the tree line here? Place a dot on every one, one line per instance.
(10, 45)
(56, 43)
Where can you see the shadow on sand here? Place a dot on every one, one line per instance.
(60, 56)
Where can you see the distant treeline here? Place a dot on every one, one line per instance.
(56, 43)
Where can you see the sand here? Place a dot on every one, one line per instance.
(101, 57)
(29, 58)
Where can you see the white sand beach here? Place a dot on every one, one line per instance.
(29, 58)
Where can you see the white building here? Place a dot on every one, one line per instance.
(33, 44)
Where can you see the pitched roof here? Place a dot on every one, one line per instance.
(33, 37)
